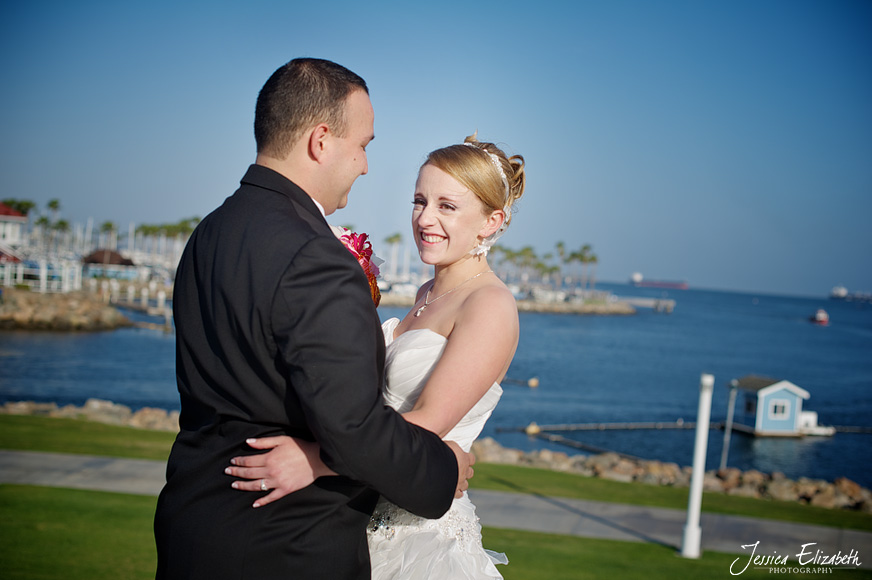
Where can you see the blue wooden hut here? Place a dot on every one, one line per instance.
(773, 407)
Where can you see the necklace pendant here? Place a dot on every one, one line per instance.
(419, 311)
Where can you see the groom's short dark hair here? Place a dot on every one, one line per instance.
(298, 96)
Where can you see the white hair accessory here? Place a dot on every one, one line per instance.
(488, 242)
(495, 161)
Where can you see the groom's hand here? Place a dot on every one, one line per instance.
(465, 461)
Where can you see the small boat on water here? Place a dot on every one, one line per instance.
(821, 318)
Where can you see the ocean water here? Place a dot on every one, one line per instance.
(591, 369)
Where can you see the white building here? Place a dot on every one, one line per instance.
(12, 224)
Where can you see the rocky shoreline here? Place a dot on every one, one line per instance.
(84, 311)
(840, 494)
(78, 311)
(598, 308)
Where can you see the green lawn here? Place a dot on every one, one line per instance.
(26, 433)
(48, 533)
(72, 436)
(63, 534)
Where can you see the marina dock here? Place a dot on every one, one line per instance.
(657, 304)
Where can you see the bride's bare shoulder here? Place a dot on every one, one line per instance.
(493, 299)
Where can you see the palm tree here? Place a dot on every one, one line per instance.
(43, 223)
(61, 227)
(394, 241)
(54, 206)
(593, 261)
(561, 255)
(108, 228)
(582, 256)
(526, 260)
(547, 269)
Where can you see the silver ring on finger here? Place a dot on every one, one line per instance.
(263, 485)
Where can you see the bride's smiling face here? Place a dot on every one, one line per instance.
(447, 217)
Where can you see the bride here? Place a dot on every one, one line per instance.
(444, 362)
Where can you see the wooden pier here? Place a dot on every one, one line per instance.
(541, 430)
(534, 429)
(657, 304)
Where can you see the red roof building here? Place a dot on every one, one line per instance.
(12, 224)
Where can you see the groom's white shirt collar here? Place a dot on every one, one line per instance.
(319, 206)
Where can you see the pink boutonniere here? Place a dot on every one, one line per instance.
(360, 246)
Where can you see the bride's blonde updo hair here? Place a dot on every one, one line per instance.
(497, 180)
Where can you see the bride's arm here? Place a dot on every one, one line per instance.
(479, 350)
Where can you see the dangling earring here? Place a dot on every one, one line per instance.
(480, 249)
(485, 245)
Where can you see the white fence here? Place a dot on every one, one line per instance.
(63, 276)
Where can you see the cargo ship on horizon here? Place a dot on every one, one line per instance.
(841, 293)
(640, 282)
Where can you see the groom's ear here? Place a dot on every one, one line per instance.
(317, 144)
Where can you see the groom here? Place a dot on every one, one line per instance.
(276, 333)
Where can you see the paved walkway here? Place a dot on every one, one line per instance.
(589, 519)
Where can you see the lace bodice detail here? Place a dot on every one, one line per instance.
(409, 361)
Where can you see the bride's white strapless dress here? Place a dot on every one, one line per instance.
(401, 544)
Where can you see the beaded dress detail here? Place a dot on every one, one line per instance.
(401, 544)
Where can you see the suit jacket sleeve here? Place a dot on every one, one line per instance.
(324, 323)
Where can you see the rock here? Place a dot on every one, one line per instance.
(579, 465)
(489, 451)
(616, 476)
(806, 488)
(782, 490)
(659, 473)
(711, 482)
(754, 478)
(831, 498)
(108, 411)
(614, 467)
(731, 477)
(745, 490)
(63, 312)
(849, 488)
(602, 462)
(149, 418)
(682, 478)
(29, 408)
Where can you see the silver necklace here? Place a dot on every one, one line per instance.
(427, 297)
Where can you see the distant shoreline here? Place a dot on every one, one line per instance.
(600, 308)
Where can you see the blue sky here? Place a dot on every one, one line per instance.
(726, 143)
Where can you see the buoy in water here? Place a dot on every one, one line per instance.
(533, 383)
(532, 429)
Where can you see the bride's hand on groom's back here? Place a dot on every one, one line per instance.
(465, 461)
(289, 465)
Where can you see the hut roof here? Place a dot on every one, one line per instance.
(761, 385)
(109, 257)
(9, 212)
(754, 382)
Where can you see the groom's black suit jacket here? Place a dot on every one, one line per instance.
(277, 334)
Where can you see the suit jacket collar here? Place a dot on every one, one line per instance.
(266, 178)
